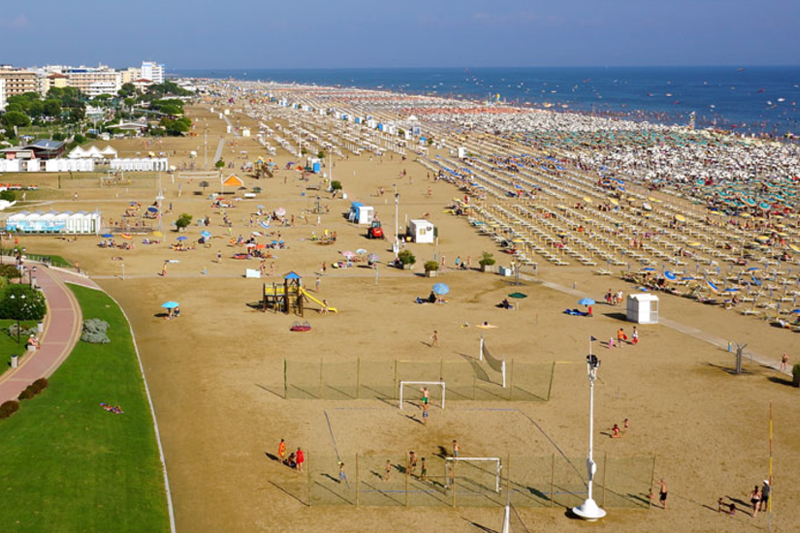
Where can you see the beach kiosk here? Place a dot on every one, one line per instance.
(421, 231)
(360, 213)
(643, 308)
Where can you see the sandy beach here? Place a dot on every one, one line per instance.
(216, 374)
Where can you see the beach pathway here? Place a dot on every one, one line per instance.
(62, 329)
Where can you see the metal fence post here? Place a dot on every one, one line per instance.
(408, 473)
(552, 480)
(320, 379)
(358, 379)
(511, 382)
(358, 482)
(605, 469)
(552, 375)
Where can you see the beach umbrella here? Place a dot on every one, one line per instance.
(107, 236)
(348, 254)
(648, 269)
(670, 275)
(152, 209)
(518, 295)
(732, 289)
(441, 289)
(205, 234)
(712, 286)
(158, 234)
(795, 311)
(586, 301)
(280, 212)
(170, 305)
(182, 238)
(373, 258)
(361, 251)
(753, 269)
(127, 236)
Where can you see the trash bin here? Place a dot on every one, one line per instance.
(14, 361)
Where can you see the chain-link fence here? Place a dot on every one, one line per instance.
(464, 380)
(439, 481)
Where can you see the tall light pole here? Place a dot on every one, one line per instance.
(19, 302)
(589, 510)
(396, 245)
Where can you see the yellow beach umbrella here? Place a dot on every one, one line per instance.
(693, 244)
(762, 238)
(794, 248)
(158, 234)
(680, 218)
(746, 215)
(613, 202)
(587, 199)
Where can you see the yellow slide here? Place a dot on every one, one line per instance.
(304, 293)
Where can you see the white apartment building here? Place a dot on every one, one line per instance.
(153, 71)
(93, 81)
(2, 94)
(131, 74)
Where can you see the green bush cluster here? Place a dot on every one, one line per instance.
(21, 302)
(34, 389)
(23, 332)
(9, 271)
(95, 331)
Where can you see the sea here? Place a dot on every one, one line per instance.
(753, 100)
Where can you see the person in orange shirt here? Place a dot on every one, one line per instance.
(621, 337)
(282, 450)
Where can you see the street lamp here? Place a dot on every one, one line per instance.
(396, 246)
(31, 272)
(589, 510)
(17, 307)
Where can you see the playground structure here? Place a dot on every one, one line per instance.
(290, 297)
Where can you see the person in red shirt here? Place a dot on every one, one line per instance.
(282, 450)
(301, 458)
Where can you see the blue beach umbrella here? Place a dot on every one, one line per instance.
(170, 305)
(107, 236)
(712, 286)
(670, 275)
(182, 238)
(586, 301)
(441, 288)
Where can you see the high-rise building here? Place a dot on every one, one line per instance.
(2, 94)
(18, 81)
(153, 71)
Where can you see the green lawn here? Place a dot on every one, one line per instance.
(8, 344)
(68, 465)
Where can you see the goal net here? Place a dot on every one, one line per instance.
(479, 473)
(498, 365)
(412, 391)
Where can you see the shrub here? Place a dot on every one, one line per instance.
(95, 331)
(8, 195)
(8, 408)
(336, 185)
(20, 302)
(3, 282)
(34, 389)
(23, 332)
(487, 259)
(406, 257)
(9, 271)
(431, 266)
(183, 221)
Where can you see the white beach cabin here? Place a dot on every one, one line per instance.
(421, 231)
(643, 308)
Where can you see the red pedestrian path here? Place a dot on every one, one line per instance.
(62, 328)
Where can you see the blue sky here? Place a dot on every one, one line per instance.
(406, 33)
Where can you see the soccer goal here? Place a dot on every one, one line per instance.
(483, 471)
(417, 386)
(498, 365)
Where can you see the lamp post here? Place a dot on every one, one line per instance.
(396, 245)
(31, 272)
(17, 307)
(589, 510)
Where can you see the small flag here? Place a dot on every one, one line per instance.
(592, 339)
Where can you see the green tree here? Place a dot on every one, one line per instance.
(8, 195)
(321, 154)
(52, 108)
(16, 118)
(220, 164)
(79, 139)
(183, 221)
(127, 89)
(336, 185)
(20, 302)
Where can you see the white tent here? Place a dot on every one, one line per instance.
(94, 153)
(77, 153)
(109, 152)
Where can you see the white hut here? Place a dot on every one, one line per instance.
(643, 308)
(77, 153)
(109, 152)
(421, 231)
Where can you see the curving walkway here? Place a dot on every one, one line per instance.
(62, 329)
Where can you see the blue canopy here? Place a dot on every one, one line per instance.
(170, 305)
(670, 275)
(586, 301)
(441, 288)
(206, 234)
(182, 238)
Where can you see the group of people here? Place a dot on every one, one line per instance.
(759, 500)
(622, 338)
(294, 460)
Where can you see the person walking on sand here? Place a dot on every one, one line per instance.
(387, 471)
(435, 339)
(342, 475)
(755, 500)
(219, 256)
(301, 458)
(282, 450)
(425, 395)
(765, 490)
(425, 408)
(164, 270)
(621, 337)
(412, 462)
(423, 470)
(662, 494)
(635, 336)
(784, 362)
(456, 448)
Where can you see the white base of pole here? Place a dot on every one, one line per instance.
(589, 511)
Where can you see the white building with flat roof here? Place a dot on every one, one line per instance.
(153, 71)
